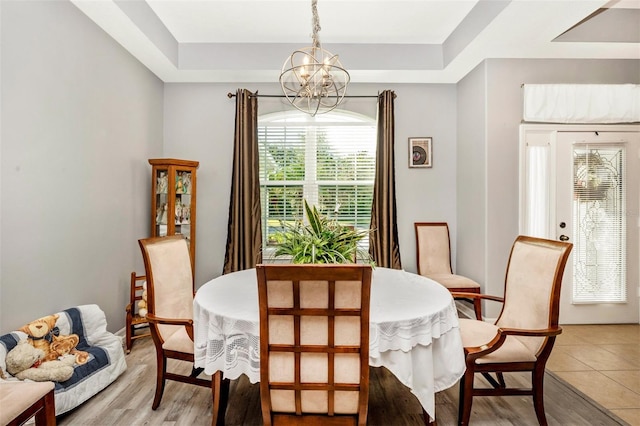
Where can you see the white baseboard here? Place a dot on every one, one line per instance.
(122, 335)
(465, 309)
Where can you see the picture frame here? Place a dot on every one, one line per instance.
(420, 152)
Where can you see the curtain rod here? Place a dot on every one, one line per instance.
(256, 95)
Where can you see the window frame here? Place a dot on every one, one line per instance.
(310, 184)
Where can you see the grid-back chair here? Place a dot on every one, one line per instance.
(314, 343)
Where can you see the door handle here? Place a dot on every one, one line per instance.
(564, 238)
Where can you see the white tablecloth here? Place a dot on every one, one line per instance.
(413, 330)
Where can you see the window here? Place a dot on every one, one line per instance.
(329, 160)
(599, 237)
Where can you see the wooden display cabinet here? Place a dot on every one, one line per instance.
(173, 200)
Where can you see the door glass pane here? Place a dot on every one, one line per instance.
(536, 221)
(599, 224)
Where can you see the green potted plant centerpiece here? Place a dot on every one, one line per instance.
(321, 240)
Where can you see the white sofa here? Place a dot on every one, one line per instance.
(106, 360)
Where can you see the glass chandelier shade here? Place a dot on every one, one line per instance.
(313, 79)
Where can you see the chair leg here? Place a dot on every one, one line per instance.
(215, 394)
(220, 394)
(497, 384)
(466, 398)
(128, 331)
(47, 415)
(477, 308)
(537, 381)
(196, 371)
(427, 419)
(161, 362)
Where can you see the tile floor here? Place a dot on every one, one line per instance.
(603, 362)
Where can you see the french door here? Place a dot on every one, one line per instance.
(597, 210)
(590, 183)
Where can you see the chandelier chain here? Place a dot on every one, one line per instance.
(313, 79)
(316, 24)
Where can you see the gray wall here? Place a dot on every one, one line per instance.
(80, 117)
(198, 125)
(501, 81)
(471, 189)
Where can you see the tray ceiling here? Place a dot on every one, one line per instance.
(408, 41)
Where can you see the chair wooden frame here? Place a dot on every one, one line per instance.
(161, 353)
(43, 410)
(537, 367)
(134, 323)
(477, 303)
(302, 273)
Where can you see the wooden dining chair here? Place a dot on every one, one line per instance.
(27, 402)
(136, 326)
(433, 251)
(314, 343)
(170, 291)
(523, 335)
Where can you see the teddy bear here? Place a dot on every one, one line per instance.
(27, 362)
(66, 345)
(40, 334)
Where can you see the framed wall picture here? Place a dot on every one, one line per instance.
(420, 154)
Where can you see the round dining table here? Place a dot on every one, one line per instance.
(413, 328)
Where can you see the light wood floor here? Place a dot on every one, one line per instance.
(128, 400)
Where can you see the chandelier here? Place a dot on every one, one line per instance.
(313, 79)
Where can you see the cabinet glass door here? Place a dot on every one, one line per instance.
(162, 202)
(182, 206)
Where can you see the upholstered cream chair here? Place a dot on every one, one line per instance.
(433, 250)
(314, 343)
(170, 290)
(524, 333)
(21, 401)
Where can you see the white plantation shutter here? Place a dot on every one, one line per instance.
(599, 219)
(282, 176)
(328, 160)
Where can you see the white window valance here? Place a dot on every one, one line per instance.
(581, 103)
